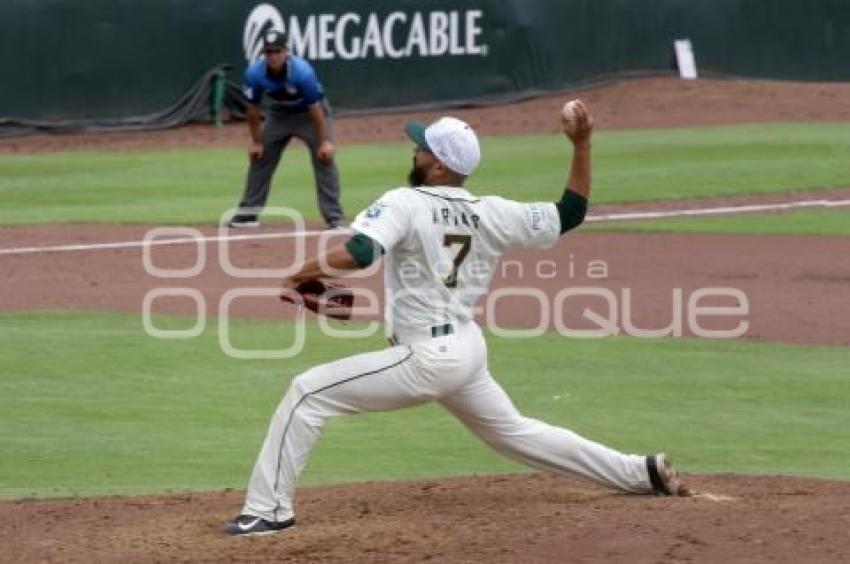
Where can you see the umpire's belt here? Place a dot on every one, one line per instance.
(407, 337)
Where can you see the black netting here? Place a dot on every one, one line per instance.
(212, 95)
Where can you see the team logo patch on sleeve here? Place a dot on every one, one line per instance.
(537, 218)
(375, 210)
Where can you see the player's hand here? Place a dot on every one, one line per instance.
(255, 151)
(326, 152)
(581, 128)
(324, 298)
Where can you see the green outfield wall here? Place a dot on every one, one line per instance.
(73, 60)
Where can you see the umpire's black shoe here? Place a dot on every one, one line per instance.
(664, 477)
(243, 220)
(246, 525)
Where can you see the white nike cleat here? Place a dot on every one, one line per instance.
(250, 525)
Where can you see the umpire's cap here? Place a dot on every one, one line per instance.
(275, 38)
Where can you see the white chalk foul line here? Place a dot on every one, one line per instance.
(726, 210)
(157, 242)
(626, 216)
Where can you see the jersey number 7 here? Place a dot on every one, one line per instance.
(465, 242)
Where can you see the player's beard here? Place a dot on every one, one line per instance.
(417, 175)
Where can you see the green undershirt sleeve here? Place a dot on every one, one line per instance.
(363, 249)
(571, 208)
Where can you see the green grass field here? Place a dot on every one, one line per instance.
(90, 404)
(801, 222)
(192, 187)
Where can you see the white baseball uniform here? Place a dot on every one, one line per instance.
(442, 247)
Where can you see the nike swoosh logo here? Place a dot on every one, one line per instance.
(248, 526)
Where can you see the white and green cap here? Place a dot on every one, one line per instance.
(451, 140)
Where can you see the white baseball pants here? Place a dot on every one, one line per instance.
(452, 370)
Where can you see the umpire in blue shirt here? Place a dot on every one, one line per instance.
(297, 108)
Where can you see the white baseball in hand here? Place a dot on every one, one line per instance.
(568, 113)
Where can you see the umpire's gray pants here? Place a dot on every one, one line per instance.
(278, 130)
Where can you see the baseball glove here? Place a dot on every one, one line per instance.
(324, 298)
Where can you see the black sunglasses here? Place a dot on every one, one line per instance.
(272, 51)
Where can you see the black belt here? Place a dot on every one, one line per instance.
(442, 330)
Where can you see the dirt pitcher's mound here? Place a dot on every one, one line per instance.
(527, 518)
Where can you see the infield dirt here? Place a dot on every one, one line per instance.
(793, 287)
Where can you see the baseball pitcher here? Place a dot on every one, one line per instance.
(441, 246)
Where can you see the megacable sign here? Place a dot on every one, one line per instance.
(354, 35)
